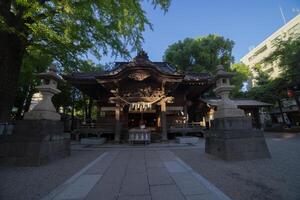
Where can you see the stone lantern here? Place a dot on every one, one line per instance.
(48, 88)
(40, 137)
(226, 107)
(232, 136)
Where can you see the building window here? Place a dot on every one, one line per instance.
(276, 40)
(294, 29)
(251, 58)
(261, 50)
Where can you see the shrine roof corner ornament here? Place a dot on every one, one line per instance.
(142, 61)
(141, 57)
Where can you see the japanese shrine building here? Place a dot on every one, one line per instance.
(144, 90)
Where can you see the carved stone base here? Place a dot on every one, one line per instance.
(33, 143)
(42, 115)
(234, 139)
(227, 109)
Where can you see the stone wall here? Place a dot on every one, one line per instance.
(34, 142)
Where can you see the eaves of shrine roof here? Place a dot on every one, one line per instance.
(84, 76)
(162, 67)
(195, 76)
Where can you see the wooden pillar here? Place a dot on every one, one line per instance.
(98, 111)
(164, 121)
(118, 123)
(185, 105)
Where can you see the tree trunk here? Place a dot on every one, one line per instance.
(19, 101)
(11, 56)
(281, 112)
(20, 106)
(28, 98)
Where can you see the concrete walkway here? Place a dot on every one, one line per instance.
(137, 175)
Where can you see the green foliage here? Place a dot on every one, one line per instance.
(70, 30)
(271, 91)
(242, 74)
(287, 58)
(202, 54)
(287, 55)
(181, 54)
(262, 77)
(36, 61)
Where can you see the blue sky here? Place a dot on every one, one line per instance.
(245, 22)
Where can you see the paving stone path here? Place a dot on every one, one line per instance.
(137, 175)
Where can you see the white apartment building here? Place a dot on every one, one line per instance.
(256, 55)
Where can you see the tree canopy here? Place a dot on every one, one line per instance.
(202, 54)
(287, 57)
(68, 31)
(242, 74)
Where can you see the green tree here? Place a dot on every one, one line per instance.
(287, 57)
(262, 76)
(242, 74)
(68, 31)
(181, 54)
(202, 54)
(270, 91)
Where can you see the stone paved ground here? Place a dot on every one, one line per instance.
(275, 179)
(141, 174)
(22, 183)
(160, 172)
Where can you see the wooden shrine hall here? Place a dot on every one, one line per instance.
(143, 95)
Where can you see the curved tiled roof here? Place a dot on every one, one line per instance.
(163, 67)
(142, 60)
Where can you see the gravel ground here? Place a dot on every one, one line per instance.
(270, 179)
(35, 182)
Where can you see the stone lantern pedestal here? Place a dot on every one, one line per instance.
(232, 136)
(40, 137)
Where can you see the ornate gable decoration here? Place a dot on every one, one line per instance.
(139, 76)
(142, 59)
(142, 56)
